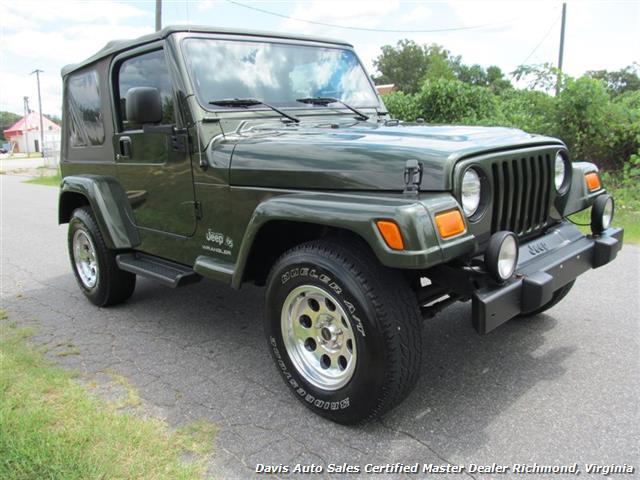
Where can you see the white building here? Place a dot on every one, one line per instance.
(24, 135)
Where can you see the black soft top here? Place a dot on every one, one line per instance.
(116, 46)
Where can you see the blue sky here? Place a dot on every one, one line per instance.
(48, 34)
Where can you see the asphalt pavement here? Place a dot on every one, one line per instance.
(560, 388)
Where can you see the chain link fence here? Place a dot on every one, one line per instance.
(51, 153)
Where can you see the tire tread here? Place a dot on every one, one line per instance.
(396, 309)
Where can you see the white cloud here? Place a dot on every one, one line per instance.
(68, 45)
(418, 14)
(51, 11)
(205, 5)
(51, 34)
(355, 13)
(17, 86)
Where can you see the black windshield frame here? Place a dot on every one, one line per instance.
(257, 39)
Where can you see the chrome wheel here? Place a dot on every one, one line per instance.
(84, 257)
(318, 337)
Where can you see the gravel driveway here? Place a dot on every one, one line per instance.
(560, 388)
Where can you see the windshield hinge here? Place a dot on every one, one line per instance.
(198, 207)
(179, 140)
(412, 176)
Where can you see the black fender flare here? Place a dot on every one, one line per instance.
(110, 206)
(356, 213)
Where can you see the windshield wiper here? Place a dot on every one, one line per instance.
(248, 102)
(327, 100)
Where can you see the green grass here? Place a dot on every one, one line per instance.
(54, 427)
(48, 180)
(623, 217)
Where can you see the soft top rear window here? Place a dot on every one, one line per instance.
(84, 109)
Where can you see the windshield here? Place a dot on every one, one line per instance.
(275, 73)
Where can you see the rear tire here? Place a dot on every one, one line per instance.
(557, 297)
(347, 371)
(94, 265)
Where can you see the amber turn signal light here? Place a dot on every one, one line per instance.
(391, 234)
(450, 223)
(593, 181)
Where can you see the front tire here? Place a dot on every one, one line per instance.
(94, 265)
(344, 331)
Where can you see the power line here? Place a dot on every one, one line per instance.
(363, 29)
(524, 62)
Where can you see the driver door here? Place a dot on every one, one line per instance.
(153, 164)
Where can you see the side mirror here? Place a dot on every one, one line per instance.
(143, 105)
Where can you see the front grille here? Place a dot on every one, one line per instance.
(521, 189)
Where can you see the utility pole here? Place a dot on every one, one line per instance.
(37, 71)
(26, 123)
(561, 53)
(158, 15)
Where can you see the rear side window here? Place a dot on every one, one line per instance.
(86, 126)
(147, 70)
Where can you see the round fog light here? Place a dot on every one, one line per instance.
(501, 256)
(602, 214)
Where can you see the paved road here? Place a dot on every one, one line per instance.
(560, 388)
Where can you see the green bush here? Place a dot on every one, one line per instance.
(453, 101)
(585, 118)
(529, 110)
(594, 126)
(402, 106)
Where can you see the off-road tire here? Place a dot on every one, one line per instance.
(113, 285)
(558, 295)
(382, 310)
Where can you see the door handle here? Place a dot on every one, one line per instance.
(124, 147)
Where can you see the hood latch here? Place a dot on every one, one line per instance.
(412, 177)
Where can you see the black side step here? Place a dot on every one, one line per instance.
(164, 271)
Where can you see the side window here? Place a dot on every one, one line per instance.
(86, 127)
(147, 70)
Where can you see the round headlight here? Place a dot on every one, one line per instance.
(560, 171)
(470, 192)
(602, 213)
(501, 256)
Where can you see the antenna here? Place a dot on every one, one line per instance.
(561, 53)
(158, 15)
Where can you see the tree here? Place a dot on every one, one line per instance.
(620, 81)
(497, 80)
(473, 74)
(54, 118)
(403, 65)
(542, 76)
(6, 120)
(407, 64)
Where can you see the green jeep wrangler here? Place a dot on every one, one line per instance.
(268, 158)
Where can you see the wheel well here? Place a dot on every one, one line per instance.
(69, 201)
(278, 236)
